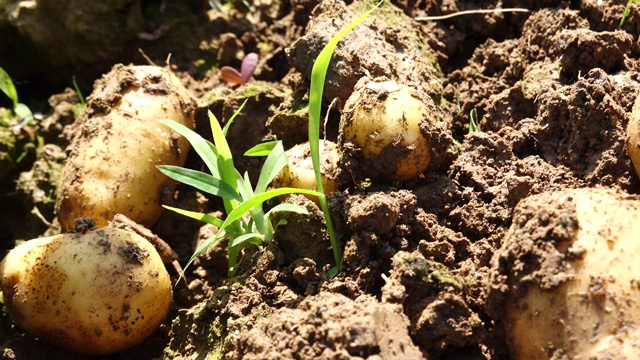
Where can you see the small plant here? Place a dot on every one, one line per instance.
(247, 68)
(627, 12)
(8, 88)
(79, 108)
(246, 221)
(473, 121)
(318, 75)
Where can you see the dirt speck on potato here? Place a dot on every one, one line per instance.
(132, 253)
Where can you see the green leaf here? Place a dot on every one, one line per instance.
(204, 246)
(244, 185)
(201, 181)
(204, 148)
(333, 272)
(228, 172)
(233, 117)
(245, 239)
(258, 199)
(276, 160)
(23, 112)
(288, 207)
(196, 215)
(263, 149)
(318, 75)
(7, 87)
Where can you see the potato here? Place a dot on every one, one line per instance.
(381, 125)
(111, 164)
(633, 136)
(299, 170)
(95, 293)
(570, 266)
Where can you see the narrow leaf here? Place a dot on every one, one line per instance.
(7, 87)
(198, 143)
(258, 199)
(196, 215)
(225, 158)
(242, 240)
(233, 117)
(276, 160)
(201, 181)
(23, 112)
(262, 149)
(288, 207)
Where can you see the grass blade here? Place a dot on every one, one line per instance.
(288, 207)
(196, 215)
(245, 239)
(316, 89)
(263, 149)
(276, 160)
(198, 143)
(233, 117)
(7, 87)
(201, 181)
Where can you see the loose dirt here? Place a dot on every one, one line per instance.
(552, 90)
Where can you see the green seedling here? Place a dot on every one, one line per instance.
(627, 12)
(77, 110)
(318, 75)
(473, 121)
(8, 88)
(246, 221)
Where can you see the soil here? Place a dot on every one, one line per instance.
(552, 90)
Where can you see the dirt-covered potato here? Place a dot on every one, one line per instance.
(633, 136)
(569, 270)
(111, 164)
(299, 170)
(383, 125)
(95, 293)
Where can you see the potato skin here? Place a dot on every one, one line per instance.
(382, 126)
(112, 159)
(299, 172)
(570, 263)
(93, 294)
(633, 136)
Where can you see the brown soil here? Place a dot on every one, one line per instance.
(552, 88)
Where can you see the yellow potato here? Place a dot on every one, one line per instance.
(571, 262)
(111, 165)
(382, 120)
(95, 293)
(633, 136)
(299, 171)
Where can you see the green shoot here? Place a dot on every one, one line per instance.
(9, 89)
(246, 221)
(627, 12)
(318, 75)
(83, 103)
(473, 121)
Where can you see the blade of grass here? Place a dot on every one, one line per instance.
(196, 215)
(276, 160)
(287, 207)
(233, 117)
(7, 87)
(318, 76)
(200, 181)
(198, 143)
(246, 238)
(263, 149)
